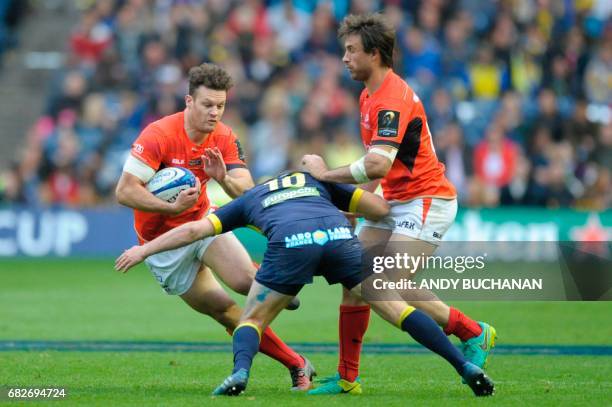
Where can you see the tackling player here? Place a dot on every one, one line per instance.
(197, 139)
(307, 236)
(400, 155)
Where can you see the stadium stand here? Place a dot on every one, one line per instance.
(517, 92)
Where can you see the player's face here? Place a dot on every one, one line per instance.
(357, 61)
(205, 108)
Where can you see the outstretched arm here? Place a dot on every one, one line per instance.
(177, 237)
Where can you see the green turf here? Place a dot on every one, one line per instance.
(87, 300)
(187, 379)
(80, 300)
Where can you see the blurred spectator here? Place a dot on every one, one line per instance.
(62, 187)
(558, 177)
(441, 112)
(12, 13)
(92, 36)
(70, 96)
(582, 133)
(456, 155)
(323, 38)
(598, 174)
(599, 75)
(511, 118)
(503, 39)
(12, 186)
(579, 127)
(486, 74)
(558, 79)
(517, 191)
(603, 149)
(291, 25)
(421, 57)
(459, 48)
(495, 158)
(154, 56)
(548, 114)
(271, 137)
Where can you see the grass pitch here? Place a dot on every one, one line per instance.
(188, 379)
(85, 300)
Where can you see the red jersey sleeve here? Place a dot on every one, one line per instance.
(233, 155)
(390, 120)
(148, 146)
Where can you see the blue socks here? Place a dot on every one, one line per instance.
(246, 345)
(426, 332)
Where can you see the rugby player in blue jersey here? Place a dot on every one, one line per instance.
(308, 236)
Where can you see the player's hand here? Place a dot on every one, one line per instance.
(214, 164)
(315, 165)
(129, 259)
(187, 198)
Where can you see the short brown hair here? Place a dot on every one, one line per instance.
(375, 33)
(211, 76)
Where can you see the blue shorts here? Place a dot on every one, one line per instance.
(315, 247)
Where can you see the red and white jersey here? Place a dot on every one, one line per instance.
(165, 143)
(395, 116)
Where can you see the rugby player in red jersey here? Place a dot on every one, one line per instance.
(401, 156)
(197, 139)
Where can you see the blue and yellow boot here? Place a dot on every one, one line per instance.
(337, 385)
(476, 350)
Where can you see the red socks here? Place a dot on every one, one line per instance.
(352, 326)
(461, 326)
(273, 346)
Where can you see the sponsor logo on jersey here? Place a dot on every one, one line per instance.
(196, 162)
(289, 193)
(319, 236)
(388, 123)
(139, 148)
(176, 161)
(298, 239)
(339, 233)
(405, 225)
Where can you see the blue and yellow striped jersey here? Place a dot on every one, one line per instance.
(287, 198)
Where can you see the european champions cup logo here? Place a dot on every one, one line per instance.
(388, 119)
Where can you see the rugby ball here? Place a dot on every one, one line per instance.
(168, 182)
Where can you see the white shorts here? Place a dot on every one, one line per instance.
(425, 219)
(176, 269)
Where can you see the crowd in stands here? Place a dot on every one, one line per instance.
(12, 13)
(517, 92)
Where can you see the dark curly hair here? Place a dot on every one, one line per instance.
(375, 33)
(210, 76)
